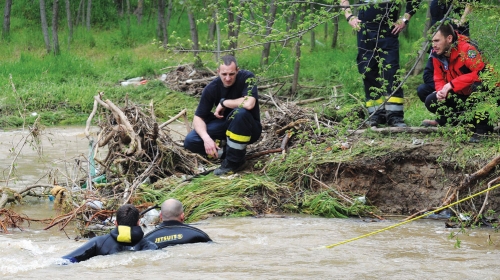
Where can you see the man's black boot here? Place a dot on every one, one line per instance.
(228, 167)
(397, 122)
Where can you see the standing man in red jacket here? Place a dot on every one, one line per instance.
(457, 64)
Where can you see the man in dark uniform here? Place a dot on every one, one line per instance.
(127, 236)
(173, 231)
(378, 27)
(236, 118)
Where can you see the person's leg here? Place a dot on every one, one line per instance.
(242, 129)
(368, 67)
(423, 91)
(390, 59)
(215, 128)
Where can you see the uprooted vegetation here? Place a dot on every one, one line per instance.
(304, 163)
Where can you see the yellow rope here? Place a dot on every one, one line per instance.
(411, 220)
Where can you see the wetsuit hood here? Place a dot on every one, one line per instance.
(127, 235)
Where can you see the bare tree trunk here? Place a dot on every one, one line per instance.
(194, 31)
(6, 19)
(89, 10)
(325, 37)
(296, 69)
(313, 33)
(139, 11)
(162, 24)
(79, 13)
(423, 60)
(45, 26)
(231, 34)
(211, 29)
(70, 22)
(335, 35)
(264, 60)
(128, 15)
(55, 25)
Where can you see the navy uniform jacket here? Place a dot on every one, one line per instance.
(171, 233)
(122, 238)
(244, 85)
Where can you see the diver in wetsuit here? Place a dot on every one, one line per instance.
(127, 236)
(173, 231)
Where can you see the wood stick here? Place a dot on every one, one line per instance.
(181, 113)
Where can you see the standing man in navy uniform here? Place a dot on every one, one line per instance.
(236, 118)
(378, 25)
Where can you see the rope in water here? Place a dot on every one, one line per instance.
(411, 220)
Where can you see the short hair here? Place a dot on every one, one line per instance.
(127, 215)
(171, 209)
(446, 29)
(228, 59)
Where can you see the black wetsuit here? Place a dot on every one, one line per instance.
(122, 238)
(171, 233)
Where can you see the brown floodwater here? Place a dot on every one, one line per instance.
(245, 248)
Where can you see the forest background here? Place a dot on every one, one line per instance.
(56, 55)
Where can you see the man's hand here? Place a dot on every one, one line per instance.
(354, 22)
(398, 27)
(443, 93)
(219, 112)
(211, 147)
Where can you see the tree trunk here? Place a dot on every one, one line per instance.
(231, 33)
(211, 29)
(55, 25)
(162, 24)
(423, 60)
(264, 60)
(6, 20)
(296, 69)
(79, 13)
(335, 35)
(45, 27)
(194, 31)
(128, 16)
(325, 36)
(313, 34)
(89, 10)
(139, 11)
(70, 23)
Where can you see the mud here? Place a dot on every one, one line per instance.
(407, 181)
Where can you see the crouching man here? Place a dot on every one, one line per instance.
(236, 118)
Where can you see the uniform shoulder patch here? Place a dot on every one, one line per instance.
(472, 53)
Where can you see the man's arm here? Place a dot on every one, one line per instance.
(351, 19)
(411, 9)
(246, 102)
(201, 128)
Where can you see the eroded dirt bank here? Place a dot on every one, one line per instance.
(407, 180)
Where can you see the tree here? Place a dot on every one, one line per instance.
(264, 60)
(45, 27)
(193, 29)
(89, 10)
(55, 25)
(6, 19)
(70, 22)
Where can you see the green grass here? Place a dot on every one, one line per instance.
(61, 88)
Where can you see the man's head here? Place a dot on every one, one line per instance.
(443, 39)
(127, 215)
(227, 70)
(172, 209)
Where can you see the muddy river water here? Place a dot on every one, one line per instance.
(245, 248)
